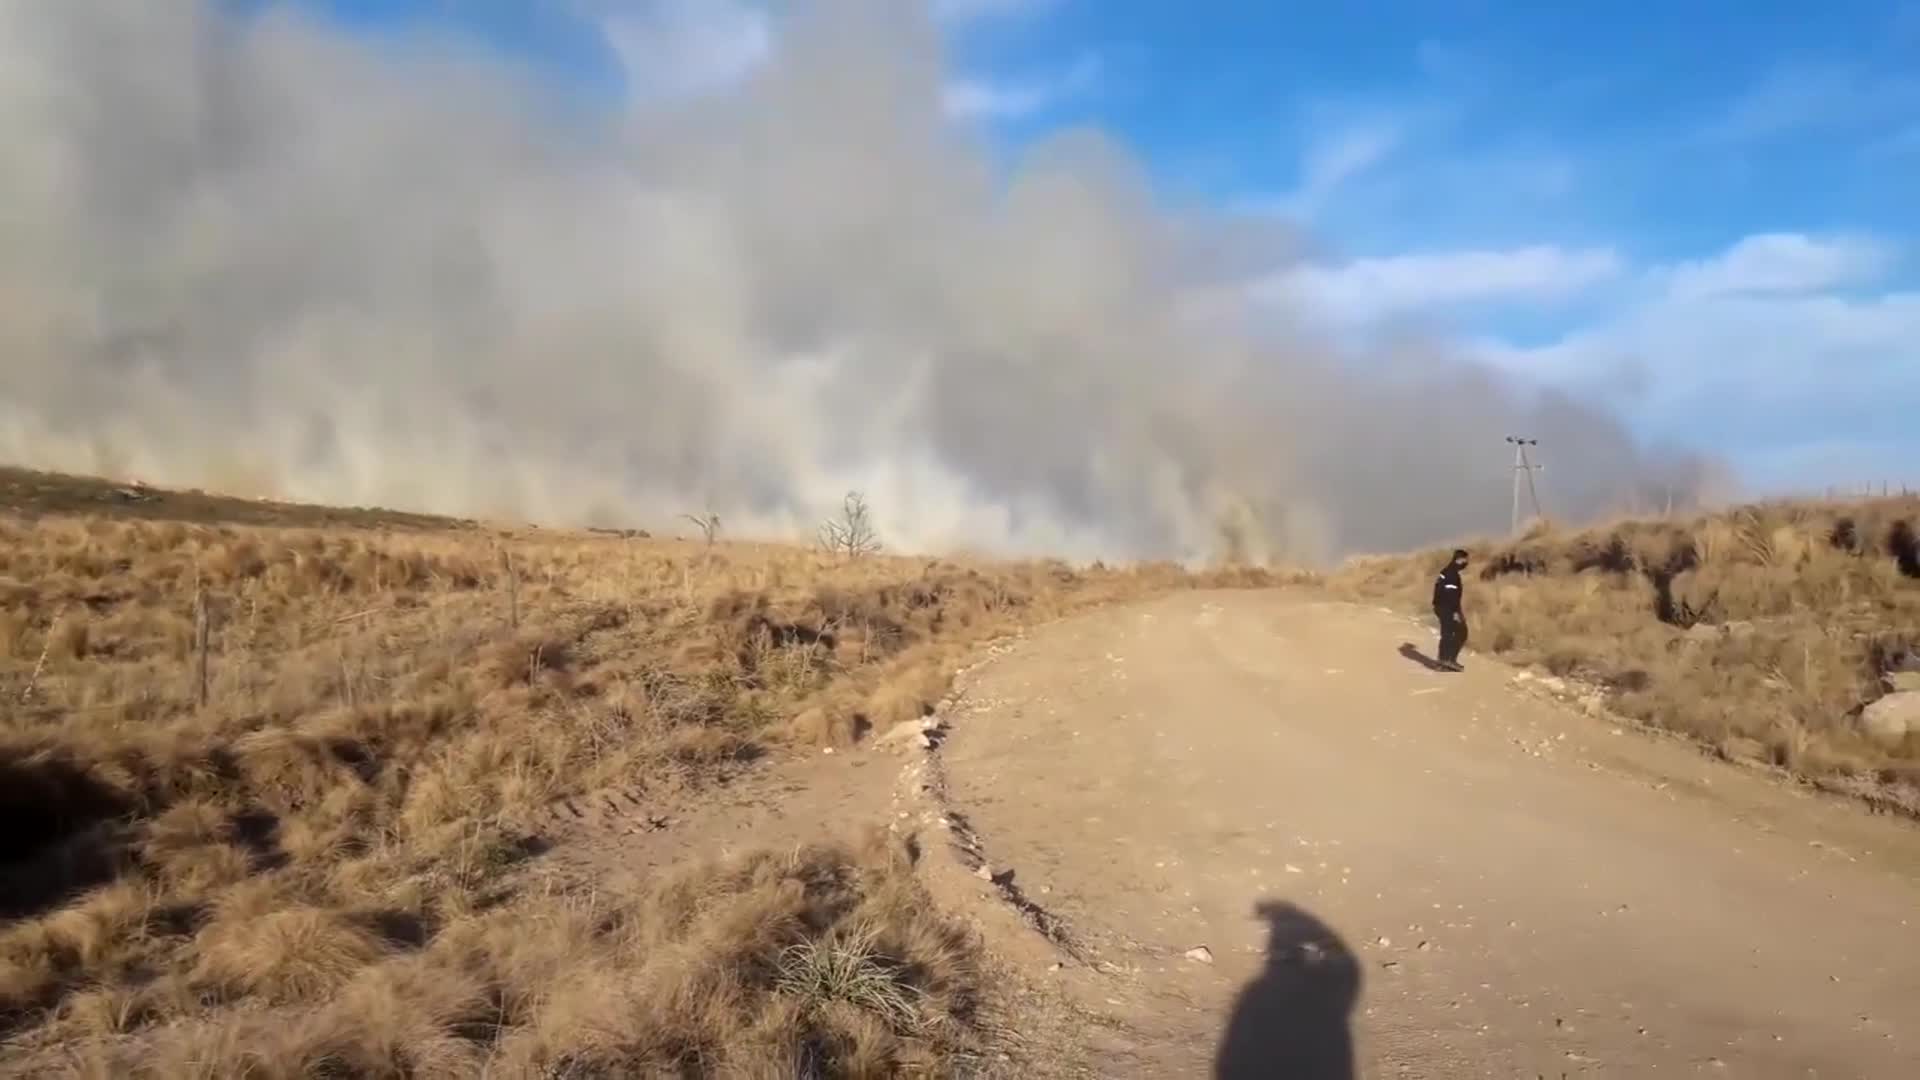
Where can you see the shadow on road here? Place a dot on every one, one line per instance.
(1291, 1021)
(1413, 653)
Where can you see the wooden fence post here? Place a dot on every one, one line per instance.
(202, 639)
(513, 591)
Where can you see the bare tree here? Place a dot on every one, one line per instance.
(852, 533)
(708, 523)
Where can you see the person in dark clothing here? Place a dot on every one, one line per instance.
(1447, 592)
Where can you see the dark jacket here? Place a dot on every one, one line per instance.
(1446, 590)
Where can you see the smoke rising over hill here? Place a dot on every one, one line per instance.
(262, 253)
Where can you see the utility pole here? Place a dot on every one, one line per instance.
(1523, 467)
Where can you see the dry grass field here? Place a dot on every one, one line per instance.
(1760, 631)
(269, 774)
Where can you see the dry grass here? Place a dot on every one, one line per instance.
(821, 961)
(267, 787)
(1760, 631)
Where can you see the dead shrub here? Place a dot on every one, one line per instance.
(852, 533)
(1905, 548)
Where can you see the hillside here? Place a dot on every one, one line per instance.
(294, 788)
(272, 774)
(1762, 631)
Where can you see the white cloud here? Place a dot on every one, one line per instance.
(1773, 263)
(1450, 63)
(979, 98)
(1803, 97)
(1365, 172)
(677, 48)
(1331, 162)
(965, 10)
(1901, 143)
(1364, 290)
(1754, 352)
(1786, 99)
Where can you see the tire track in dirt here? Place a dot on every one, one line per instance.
(1274, 842)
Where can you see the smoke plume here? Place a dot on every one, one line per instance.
(253, 251)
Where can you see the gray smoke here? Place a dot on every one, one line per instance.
(260, 253)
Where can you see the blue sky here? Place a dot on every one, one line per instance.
(1705, 212)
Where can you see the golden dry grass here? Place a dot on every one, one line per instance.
(1761, 631)
(827, 960)
(267, 787)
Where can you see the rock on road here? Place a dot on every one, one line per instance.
(1305, 854)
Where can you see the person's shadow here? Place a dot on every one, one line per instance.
(1291, 1021)
(1412, 652)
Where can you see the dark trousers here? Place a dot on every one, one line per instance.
(1453, 635)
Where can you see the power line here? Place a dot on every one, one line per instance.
(1524, 467)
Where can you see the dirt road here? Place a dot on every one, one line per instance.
(1401, 872)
